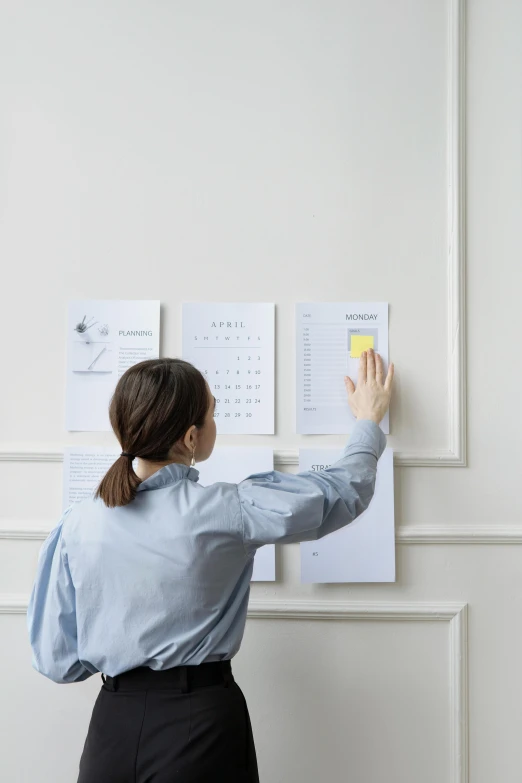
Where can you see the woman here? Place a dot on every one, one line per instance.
(148, 582)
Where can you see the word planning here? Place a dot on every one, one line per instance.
(233, 346)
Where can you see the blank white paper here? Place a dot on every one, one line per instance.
(364, 551)
(233, 464)
(329, 338)
(233, 346)
(104, 338)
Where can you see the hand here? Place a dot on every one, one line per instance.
(371, 398)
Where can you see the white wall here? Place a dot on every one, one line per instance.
(284, 151)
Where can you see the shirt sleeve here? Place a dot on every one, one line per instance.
(51, 615)
(287, 508)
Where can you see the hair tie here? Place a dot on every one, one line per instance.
(127, 454)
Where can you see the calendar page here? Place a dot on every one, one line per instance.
(233, 346)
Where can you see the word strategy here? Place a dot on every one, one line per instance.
(233, 346)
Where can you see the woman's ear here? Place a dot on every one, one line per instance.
(190, 438)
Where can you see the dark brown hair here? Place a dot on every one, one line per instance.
(154, 404)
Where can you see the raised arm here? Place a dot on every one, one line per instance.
(286, 508)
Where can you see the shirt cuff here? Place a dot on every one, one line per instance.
(368, 433)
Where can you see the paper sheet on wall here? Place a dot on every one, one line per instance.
(233, 346)
(233, 464)
(84, 468)
(330, 339)
(104, 338)
(364, 551)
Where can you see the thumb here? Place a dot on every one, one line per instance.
(350, 386)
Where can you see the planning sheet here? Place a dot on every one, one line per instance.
(84, 467)
(233, 464)
(233, 346)
(104, 338)
(364, 551)
(330, 339)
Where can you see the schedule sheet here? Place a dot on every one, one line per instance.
(330, 340)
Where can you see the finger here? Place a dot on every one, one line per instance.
(350, 386)
(389, 378)
(362, 368)
(379, 369)
(371, 365)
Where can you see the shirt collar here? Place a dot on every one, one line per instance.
(169, 475)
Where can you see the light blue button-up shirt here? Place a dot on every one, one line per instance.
(165, 581)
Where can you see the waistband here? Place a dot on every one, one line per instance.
(181, 678)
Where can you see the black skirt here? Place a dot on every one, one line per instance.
(184, 725)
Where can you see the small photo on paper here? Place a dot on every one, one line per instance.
(92, 357)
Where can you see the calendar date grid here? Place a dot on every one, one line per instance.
(236, 381)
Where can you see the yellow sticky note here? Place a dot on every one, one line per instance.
(360, 343)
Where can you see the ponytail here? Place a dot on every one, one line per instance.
(120, 484)
(154, 404)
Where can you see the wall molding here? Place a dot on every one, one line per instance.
(405, 534)
(29, 532)
(459, 534)
(283, 458)
(31, 454)
(455, 454)
(11, 603)
(453, 613)
(456, 163)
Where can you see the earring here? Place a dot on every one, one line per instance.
(193, 460)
